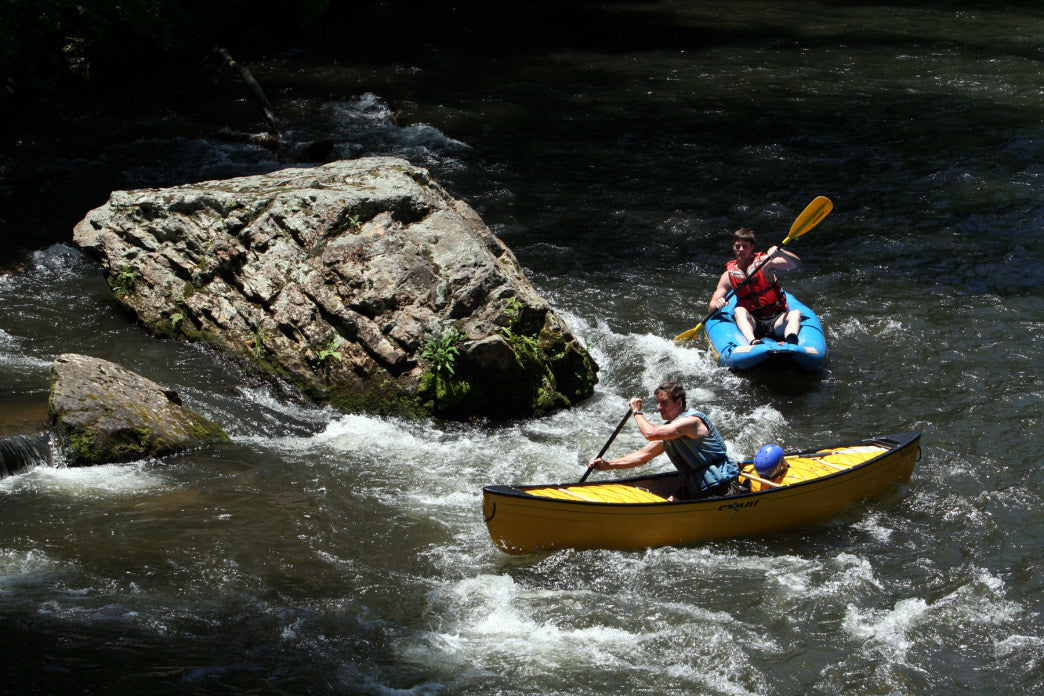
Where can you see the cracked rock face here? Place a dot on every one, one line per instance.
(344, 279)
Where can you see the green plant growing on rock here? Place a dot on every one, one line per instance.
(328, 352)
(181, 306)
(527, 348)
(438, 383)
(82, 446)
(442, 352)
(124, 281)
(534, 361)
(256, 343)
(512, 311)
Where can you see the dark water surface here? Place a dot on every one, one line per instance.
(614, 152)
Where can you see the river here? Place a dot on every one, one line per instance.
(614, 152)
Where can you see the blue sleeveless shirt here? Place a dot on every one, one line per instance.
(703, 463)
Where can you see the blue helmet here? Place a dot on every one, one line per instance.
(769, 461)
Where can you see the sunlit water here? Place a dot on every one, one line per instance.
(330, 553)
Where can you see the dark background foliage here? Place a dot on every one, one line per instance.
(51, 45)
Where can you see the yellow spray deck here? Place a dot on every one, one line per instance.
(800, 467)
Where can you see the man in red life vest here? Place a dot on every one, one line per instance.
(761, 306)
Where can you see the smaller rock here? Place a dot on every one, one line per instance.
(107, 413)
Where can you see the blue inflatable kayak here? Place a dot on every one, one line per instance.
(732, 350)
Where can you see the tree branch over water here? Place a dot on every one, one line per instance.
(255, 88)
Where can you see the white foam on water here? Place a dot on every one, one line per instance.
(873, 524)
(422, 134)
(58, 261)
(366, 125)
(483, 621)
(376, 437)
(18, 567)
(355, 431)
(1021, 652)
(891, 633)
(956, 508)
(421, 452)
(863, 327)
(12, 357)
(102, 481)
(853, 572)
(795, 586)
(887, 632)
(266, 399)
(745, 433)
(643, 361)
(495, 625)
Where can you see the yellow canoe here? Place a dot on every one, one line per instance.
(635, 513)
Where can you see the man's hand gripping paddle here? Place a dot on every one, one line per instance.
(811, 216)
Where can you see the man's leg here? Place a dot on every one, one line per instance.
(790, 323)
(745, 323)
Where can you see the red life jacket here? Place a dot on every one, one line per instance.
(759, 297)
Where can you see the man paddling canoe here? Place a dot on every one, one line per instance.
(688, 438)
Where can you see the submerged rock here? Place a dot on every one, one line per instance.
(362, 282)
(106, 413)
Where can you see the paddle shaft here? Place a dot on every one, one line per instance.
(732, 292)
(608, 442)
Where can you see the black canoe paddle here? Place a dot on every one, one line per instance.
(813, 213)
(607, 443)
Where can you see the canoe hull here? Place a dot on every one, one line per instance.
(520, 523)
(733, 352)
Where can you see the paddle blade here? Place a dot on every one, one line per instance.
(688, 335)
(811, 216)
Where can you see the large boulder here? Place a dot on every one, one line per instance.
(106, 413)
(363, 282)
